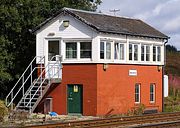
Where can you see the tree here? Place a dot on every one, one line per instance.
(17, 44)
(171, 48)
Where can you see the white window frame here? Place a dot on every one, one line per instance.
(78, 50)
(156, 53)
(120, 54)
(85, 50)
(152, 93)
(159, 54)
(145, 52)
(133, 51)
(139, 93)
(105, 50)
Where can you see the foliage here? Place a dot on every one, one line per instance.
(172, 63)
(172, 102)
(171, 48)
(17, 43)
(5, 63)
(137, 110)
(3, 110)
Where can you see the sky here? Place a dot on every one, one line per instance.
(163, 15)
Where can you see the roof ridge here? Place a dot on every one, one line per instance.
(91, 12)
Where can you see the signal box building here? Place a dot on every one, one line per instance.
(110, 64)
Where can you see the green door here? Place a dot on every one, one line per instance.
(74, 98)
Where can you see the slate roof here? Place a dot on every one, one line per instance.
(110, 24)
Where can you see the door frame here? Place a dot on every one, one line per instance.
(46, 49)
(81, 86)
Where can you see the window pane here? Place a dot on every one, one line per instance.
(147, 53)
(121, 52)
(142, 53)
(158, 53)
(152, 92)
(116, 51)
(102, 50)
(53, 49)
(154, 53)
(71, 50)
(130, 51)
(151, 88)
(137, 93)
(85, 49)
(151, 97)
(135, 52)
(108, 50)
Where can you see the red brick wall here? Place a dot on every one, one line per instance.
(115, 91)
(85, 74)
(110, 91)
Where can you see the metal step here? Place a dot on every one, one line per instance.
(28, 98)
(55, 80)
(39, 81)
(24, 102)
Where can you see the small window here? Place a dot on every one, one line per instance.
(105, 50)
(152, 93)
(102, 50)
(137, 93)
(145, 53)
(85, 49)
(119, 51)
(156, 53)
(133, 52)
(71, 50)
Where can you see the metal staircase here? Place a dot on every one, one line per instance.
(30, 89)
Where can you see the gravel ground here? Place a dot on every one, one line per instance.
(42, 119)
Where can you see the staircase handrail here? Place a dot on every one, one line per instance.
(41, 58)
(22, 85)
(42, 73)
(41, 76)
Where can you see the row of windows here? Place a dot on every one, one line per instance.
(119, 51)
(138, 93)
(84, 50)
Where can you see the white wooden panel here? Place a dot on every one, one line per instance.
(95, 49)
(166, 86)
(55, 29)
(39, 48)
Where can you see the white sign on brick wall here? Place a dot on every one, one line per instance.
(132, 72)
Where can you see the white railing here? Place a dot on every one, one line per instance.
(47, 69)
(20, 84)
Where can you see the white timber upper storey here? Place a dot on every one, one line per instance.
(78, 42)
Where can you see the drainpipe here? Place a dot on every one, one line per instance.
(163, 74)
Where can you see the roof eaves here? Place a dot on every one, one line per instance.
(133, 34)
